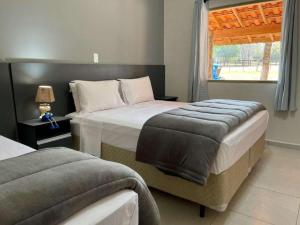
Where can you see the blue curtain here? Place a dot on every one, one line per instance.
(287, 84)
(198, 86)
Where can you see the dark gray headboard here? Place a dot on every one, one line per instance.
(7, 111)
(27, 77)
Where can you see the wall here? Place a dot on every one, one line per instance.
(177, 48)
(283, 127)
(121, 31)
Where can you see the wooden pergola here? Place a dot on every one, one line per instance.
(246, 24)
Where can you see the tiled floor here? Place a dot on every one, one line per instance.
(270, 195)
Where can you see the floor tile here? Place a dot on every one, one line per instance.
(233, 218)
(268, 206)
(176, 211)
(281, 157)
(279, 170)
(268, 196)
(280, 180)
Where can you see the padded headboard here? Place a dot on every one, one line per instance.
(27, 76)
(7, 110)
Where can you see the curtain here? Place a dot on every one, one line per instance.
(198, 85)
(288, 69)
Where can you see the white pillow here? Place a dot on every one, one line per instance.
(98, 95)
(73, 89)
(137, 90)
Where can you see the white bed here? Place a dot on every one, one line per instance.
(121, 127)
(118, 209)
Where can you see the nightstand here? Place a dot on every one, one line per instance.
(167, 98)
(38, 135)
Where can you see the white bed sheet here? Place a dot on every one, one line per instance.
(11, 149)
(120, 208)
(121, 128)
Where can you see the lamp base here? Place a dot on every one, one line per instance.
(44, 108)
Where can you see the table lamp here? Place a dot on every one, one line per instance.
(44, 96)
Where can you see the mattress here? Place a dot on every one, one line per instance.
(10, 149)
(121, 127)
(120, 208)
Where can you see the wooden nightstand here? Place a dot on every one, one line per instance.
(38, 135)
(168, 98)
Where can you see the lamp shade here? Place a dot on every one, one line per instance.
(44, 94)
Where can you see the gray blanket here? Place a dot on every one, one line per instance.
(184, 142)
(46, 187)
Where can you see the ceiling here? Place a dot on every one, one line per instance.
(254, 23)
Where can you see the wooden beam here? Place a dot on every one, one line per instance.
(272, 37)
(245, 40)
(261, 10)
(239, 32)
(249, 38)
(236, 14)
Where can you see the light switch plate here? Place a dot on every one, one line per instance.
(96, 57)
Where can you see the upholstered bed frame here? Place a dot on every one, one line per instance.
(26, 77)
(7, 109)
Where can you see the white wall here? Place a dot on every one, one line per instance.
(177, 47)
(283, 127)
(121, 31)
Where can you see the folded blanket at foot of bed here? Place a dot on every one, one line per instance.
(184, 142)
(48, 186)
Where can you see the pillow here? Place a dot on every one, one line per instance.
(137, 90)
(73, 89)
(98, 95)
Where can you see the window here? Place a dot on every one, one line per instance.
(244, 42)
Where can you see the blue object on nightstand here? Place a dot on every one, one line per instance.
(48, 117)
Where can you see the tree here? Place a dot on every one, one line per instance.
(226, 53)
(266, 61)
(275, 56)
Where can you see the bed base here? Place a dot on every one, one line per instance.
(216, 194)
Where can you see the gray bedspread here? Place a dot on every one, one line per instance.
(46, 187)
(184, 142)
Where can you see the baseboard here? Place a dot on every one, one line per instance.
(283, 144)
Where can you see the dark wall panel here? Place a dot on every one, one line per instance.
(27, 77)
(7, 112)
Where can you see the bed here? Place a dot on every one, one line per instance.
(115, 134)
(121, 207)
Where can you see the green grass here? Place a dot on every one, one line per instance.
(246, 75)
